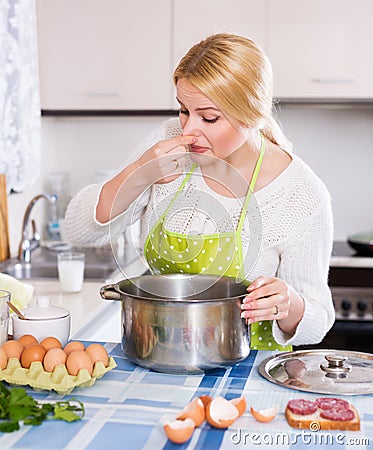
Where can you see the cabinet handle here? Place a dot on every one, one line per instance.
(101, 93)
(333, 80)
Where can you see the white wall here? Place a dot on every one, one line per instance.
(336, 142)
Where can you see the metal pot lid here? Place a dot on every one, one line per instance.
(45, 310)
(342, 372)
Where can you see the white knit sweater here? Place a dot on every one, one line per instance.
(288, 226)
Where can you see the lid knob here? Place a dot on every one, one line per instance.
(336, 367)
(43, 301)
(336, 360)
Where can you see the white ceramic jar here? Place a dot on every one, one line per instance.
(42, 321)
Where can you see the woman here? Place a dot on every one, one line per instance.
(220, 192)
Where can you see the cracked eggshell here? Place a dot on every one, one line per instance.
(179, 431)
(194, 410)
(205, 399)
(221, 413)
(240, 404)
(265, 415)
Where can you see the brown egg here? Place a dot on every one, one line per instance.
(13, 349)
(3, 359)
(34, 352)
(72, 346)
(77, 360)
(51, 342)
(27, 339)
(54, 357)
(98, 353)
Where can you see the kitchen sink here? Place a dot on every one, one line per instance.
(25, 271)
(100, 263)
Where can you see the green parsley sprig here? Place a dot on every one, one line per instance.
(17, 406)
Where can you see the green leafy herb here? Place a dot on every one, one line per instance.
(67, 412)
(17, 406)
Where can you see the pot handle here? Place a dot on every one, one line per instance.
(110, 292)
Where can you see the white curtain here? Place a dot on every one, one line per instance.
(19, 94)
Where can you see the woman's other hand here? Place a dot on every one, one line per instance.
(270, 298)
(164, 162)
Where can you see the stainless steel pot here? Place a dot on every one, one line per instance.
(181, 323)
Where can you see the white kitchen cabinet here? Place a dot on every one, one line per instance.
(104, 55)
(321, 49)
(196, 19)
(120, 55)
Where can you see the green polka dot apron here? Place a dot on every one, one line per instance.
(215, 254)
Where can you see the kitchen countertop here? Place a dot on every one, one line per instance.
(344, 256)
(126, 409)
(92, 318)
(84, 306)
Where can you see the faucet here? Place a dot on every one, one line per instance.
(27, 245)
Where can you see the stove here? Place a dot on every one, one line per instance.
(351, 284)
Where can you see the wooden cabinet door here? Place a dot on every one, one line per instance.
(104, 55)
(321, 49)
(197, 19)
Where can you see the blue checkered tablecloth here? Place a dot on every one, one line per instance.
(126, 410)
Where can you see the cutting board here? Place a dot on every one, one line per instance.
(4, 230)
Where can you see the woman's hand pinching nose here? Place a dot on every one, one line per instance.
(191, 140)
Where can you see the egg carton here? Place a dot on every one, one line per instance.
(59, 380)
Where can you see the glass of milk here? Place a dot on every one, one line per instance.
(71, 271)
(4, 315)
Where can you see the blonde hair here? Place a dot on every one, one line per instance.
(235, 74)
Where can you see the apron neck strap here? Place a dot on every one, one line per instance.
(254, 178)
(188, 175)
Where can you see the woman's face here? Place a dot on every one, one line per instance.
(201, 118)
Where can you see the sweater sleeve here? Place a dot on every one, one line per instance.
(82, 228)
(305, 266)
(81, 224)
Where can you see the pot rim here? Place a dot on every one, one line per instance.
(176, 299)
